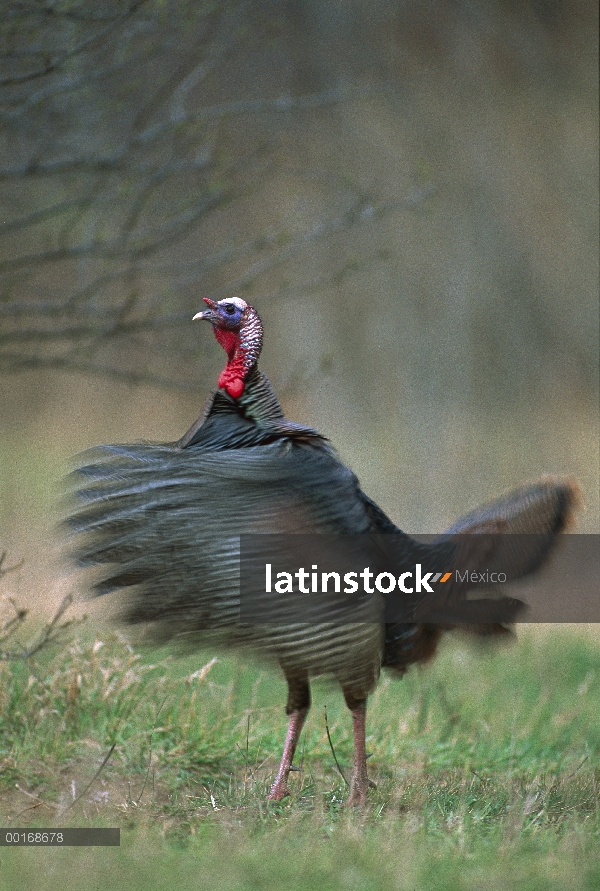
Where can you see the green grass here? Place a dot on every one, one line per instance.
(486, 764)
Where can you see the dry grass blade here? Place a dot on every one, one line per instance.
(160, 708)
(92, 781)
(332, 749)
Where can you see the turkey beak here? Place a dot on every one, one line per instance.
(209, 314)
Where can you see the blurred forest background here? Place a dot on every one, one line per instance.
(406, 191)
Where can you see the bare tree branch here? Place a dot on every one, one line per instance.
(54, 63)
(129, 151)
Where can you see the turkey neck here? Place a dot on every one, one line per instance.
(254, 418)
(257, 403)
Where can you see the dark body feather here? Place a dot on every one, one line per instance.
(163, 522)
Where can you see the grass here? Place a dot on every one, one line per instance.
(486, 766)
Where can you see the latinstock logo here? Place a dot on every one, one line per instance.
(408, 582)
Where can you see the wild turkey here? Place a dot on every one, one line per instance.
(165, 523)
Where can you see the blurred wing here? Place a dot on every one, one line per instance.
(545, 507)
(516, 535)
(164, 525)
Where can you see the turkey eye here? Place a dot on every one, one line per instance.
(230, 310)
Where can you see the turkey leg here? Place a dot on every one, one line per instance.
(359, 784)
(297, 708)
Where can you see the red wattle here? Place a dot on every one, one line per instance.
(229, 381)
(233, 375)
(235, 388)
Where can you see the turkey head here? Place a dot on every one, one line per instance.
(238, 329)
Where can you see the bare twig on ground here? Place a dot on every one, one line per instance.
(49, 634)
